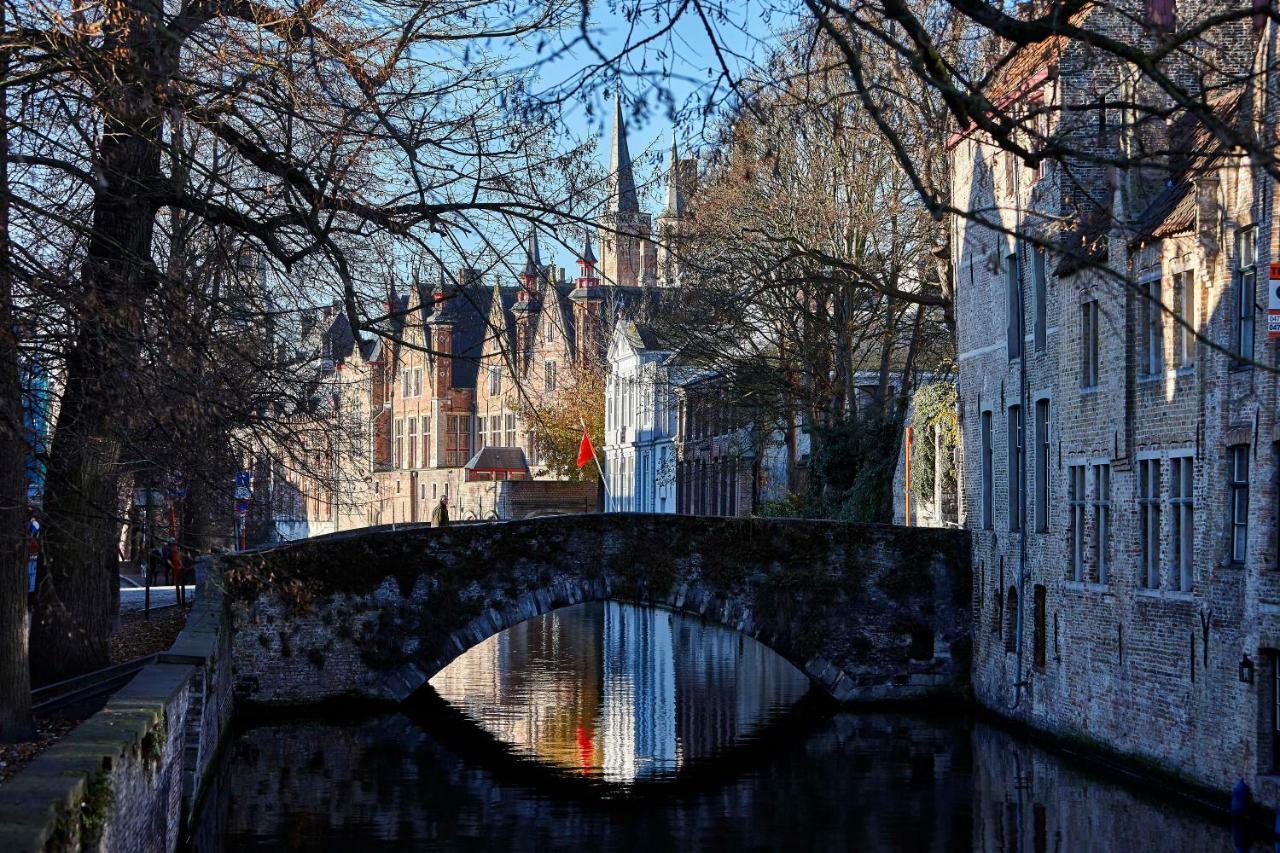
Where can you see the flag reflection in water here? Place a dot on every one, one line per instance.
(618, 691)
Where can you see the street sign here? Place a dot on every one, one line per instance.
(1273, 303)
(243, 493)
(140, 497)
(242, 508)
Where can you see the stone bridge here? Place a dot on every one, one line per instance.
(869, 612)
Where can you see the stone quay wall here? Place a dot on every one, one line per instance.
(869, 612)
(127, 778)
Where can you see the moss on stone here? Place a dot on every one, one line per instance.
(95, 808)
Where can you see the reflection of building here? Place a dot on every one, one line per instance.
(638, 720)
(619, 691)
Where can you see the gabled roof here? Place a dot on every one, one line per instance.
(641, 336)
(1198, 151)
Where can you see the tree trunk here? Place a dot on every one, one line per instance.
(15, 683)
(79, 566)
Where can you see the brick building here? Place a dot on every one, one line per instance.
(1120, 472)
(457, 356)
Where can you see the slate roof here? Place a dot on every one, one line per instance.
(498, 459)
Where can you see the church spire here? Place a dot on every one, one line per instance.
(622, 182)
(675, 198)
(532, 259)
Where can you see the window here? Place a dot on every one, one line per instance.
(1042, 465)
(1182, 515)
(413, 442)
(424, 458)
(406, 381)
(1153, 328)
(495, 381)
(1015, 451)
(1162, 14)
(1102, 522)
(1076, 498)
(1238, 485)
(549, 375)
(1013, 303)
(417, 382)
(1089, 344)
(1246, 287)
(1038, 643)
(457, 440)
(987, 472)
(510, 424)
(1184, 294)
(1149, 522)
(1041, 296)
(399, 443)
(1273, 699)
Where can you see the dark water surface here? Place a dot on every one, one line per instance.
(633, 728)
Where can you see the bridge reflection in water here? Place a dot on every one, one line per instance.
(619, 692)
(622, 693)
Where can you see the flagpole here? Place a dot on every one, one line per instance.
(603, 480)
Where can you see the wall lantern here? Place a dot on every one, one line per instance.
(1246, 669)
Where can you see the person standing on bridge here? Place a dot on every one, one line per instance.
(440, 515)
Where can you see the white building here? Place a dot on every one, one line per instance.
(640, 423)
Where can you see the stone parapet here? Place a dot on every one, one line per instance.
(869, 612)
(126, 778)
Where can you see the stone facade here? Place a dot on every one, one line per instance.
(869, 612)
(1119, 473)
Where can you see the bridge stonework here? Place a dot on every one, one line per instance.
(869, 612)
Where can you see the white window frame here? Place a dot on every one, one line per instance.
(1076, 498)
(1148, 485)
(1102, 520)
(1182, 480)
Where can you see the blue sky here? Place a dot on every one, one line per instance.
(665, 85)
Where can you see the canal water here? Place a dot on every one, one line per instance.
(608, 726)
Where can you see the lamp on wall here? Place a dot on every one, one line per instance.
(1246, 669)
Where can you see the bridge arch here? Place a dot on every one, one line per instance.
(377, 613)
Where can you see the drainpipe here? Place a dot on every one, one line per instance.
(1023, 393)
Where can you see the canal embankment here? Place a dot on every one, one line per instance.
(128, 777)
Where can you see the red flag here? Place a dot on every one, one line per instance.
(585, 453)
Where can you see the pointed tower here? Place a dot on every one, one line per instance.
(627, 254)
(669, 222)
(439, 330)
(588, 307)
(525, 309)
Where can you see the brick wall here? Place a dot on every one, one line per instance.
(1152, 672)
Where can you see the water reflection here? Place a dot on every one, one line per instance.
(624, 693)
(620, 692)
(858, 782)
